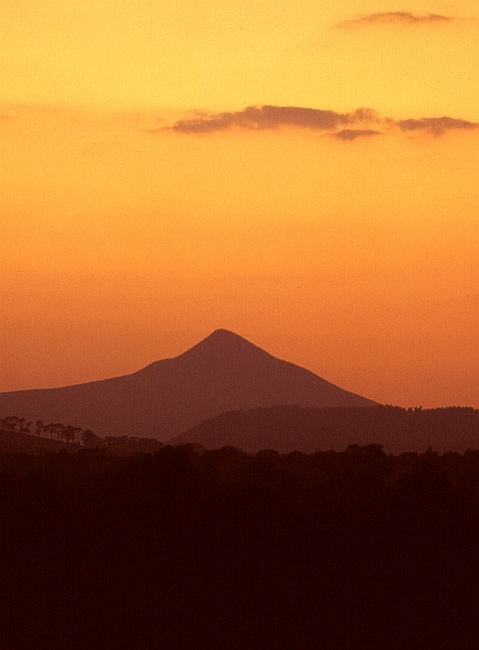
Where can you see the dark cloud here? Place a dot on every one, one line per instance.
(363, 122)
(264, 117)
(274, 117)
(352, 134)
(396, 17)
(436, 125)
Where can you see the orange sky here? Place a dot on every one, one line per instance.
(170, 169)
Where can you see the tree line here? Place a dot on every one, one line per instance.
(189, 548)
(52, 430)
(86, 438)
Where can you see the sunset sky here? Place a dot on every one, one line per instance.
(305, 174)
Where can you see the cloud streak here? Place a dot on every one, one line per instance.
(348, 135)
(348, 127)
(436, 125)
(395, 18)
(255, 118)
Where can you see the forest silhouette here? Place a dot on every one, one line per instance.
(189, 548)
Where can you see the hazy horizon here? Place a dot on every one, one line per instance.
(303, 176)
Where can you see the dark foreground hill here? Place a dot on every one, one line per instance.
(180, 550)
(222, 373)
(288, 428)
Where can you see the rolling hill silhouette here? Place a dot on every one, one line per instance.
(224, 372)
(294, 428)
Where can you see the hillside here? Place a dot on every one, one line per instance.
(22, 443)
(288, 428)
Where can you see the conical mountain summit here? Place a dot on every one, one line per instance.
(223, 372)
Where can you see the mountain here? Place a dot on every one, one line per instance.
(224, 372)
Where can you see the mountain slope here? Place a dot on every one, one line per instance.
(223, 372)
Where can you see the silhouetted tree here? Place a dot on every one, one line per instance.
(10, 423)
(91, 440)
(68, 433)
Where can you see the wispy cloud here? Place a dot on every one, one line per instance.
(436, 125)
(395, 17)
(352, 134)
(361, 123)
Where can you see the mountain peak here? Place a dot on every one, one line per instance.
(223, 335)
(223, 343)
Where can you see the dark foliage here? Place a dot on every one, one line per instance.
(17, 438)
(221, 549)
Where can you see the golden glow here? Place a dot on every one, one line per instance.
(123, 243)
(231, 54)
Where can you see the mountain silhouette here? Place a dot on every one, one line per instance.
(223, 372)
